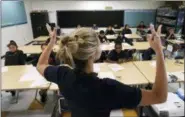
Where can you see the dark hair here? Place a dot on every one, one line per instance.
(118, 42)
(12, 42)
(102, 32)
(141, 22)
(126, 25)
(48, 40)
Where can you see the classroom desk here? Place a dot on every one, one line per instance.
(35, 49)
(110, 46)
(176, 41)
(149, 70)
(41, 38)
(137, 45)
(111, 37)
(126, 113)
(141, 45)
(132, 36)
(11, 78)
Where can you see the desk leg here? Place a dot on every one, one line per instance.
(16, 98)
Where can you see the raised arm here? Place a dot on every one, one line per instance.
(43, 60)
(158, 94)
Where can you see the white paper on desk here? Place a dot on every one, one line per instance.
(4, 69)
(106, 75)
(103, 46)
(40, 82)
(116, 113)
(153, 63)
(179, 74)
(126, 44)
(115, 67)
(32, 75)
(96, 68)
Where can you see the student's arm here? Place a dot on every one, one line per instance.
(158, 94)
(6, 62)
(169, 36)
(22, 58)
(110, 56)
(43, 60)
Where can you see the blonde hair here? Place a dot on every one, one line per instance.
(80, 45)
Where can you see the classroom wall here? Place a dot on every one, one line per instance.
(53, 6)
(22, 34)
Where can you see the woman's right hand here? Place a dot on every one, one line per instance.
(154, 39)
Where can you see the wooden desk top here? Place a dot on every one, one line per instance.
(110, 46)
(41, 38)
(137, 46)
(126, 113)
(141, 45)
(113, 37)
(176, 41)
(133, 36)
(35, 49)
(130, 75)
(31, 49)
(11, 78)
(53, 87)
(149, 71)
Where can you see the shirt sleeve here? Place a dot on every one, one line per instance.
(55, 73)
(119, 95)
(110, 55)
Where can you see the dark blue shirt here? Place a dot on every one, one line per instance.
(114, 56)
(89, 96)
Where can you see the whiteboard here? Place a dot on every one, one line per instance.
(134, 17)
(13, 13)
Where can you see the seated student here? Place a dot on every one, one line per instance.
(14, 57)
(141, 26)
(48, 40)
(127, 30)
(86, 93)
(117, 55)
(52, 61)
(170, 34)
(102, 37)
(95, 27)
(78, 26)
(120, 37)
(109, 31)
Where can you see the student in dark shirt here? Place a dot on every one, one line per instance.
(141, 26)
(87, 94)
(109, 31)
(127, 30)
(95, 27)
(117, 55)
(102, 37)
(14, 57)
(52, 61)
(171, 34)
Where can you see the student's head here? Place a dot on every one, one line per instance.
(171, 30)
(12, 46)
(115, 25)
(127, 26)
(141, 23)
(80, 49)
(110, 28)
(94, 25)
(102, 33)
(78, 26)
(43, 46)
(118, 46)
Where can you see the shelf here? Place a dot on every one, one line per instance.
(171, 17)
(170, 25)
